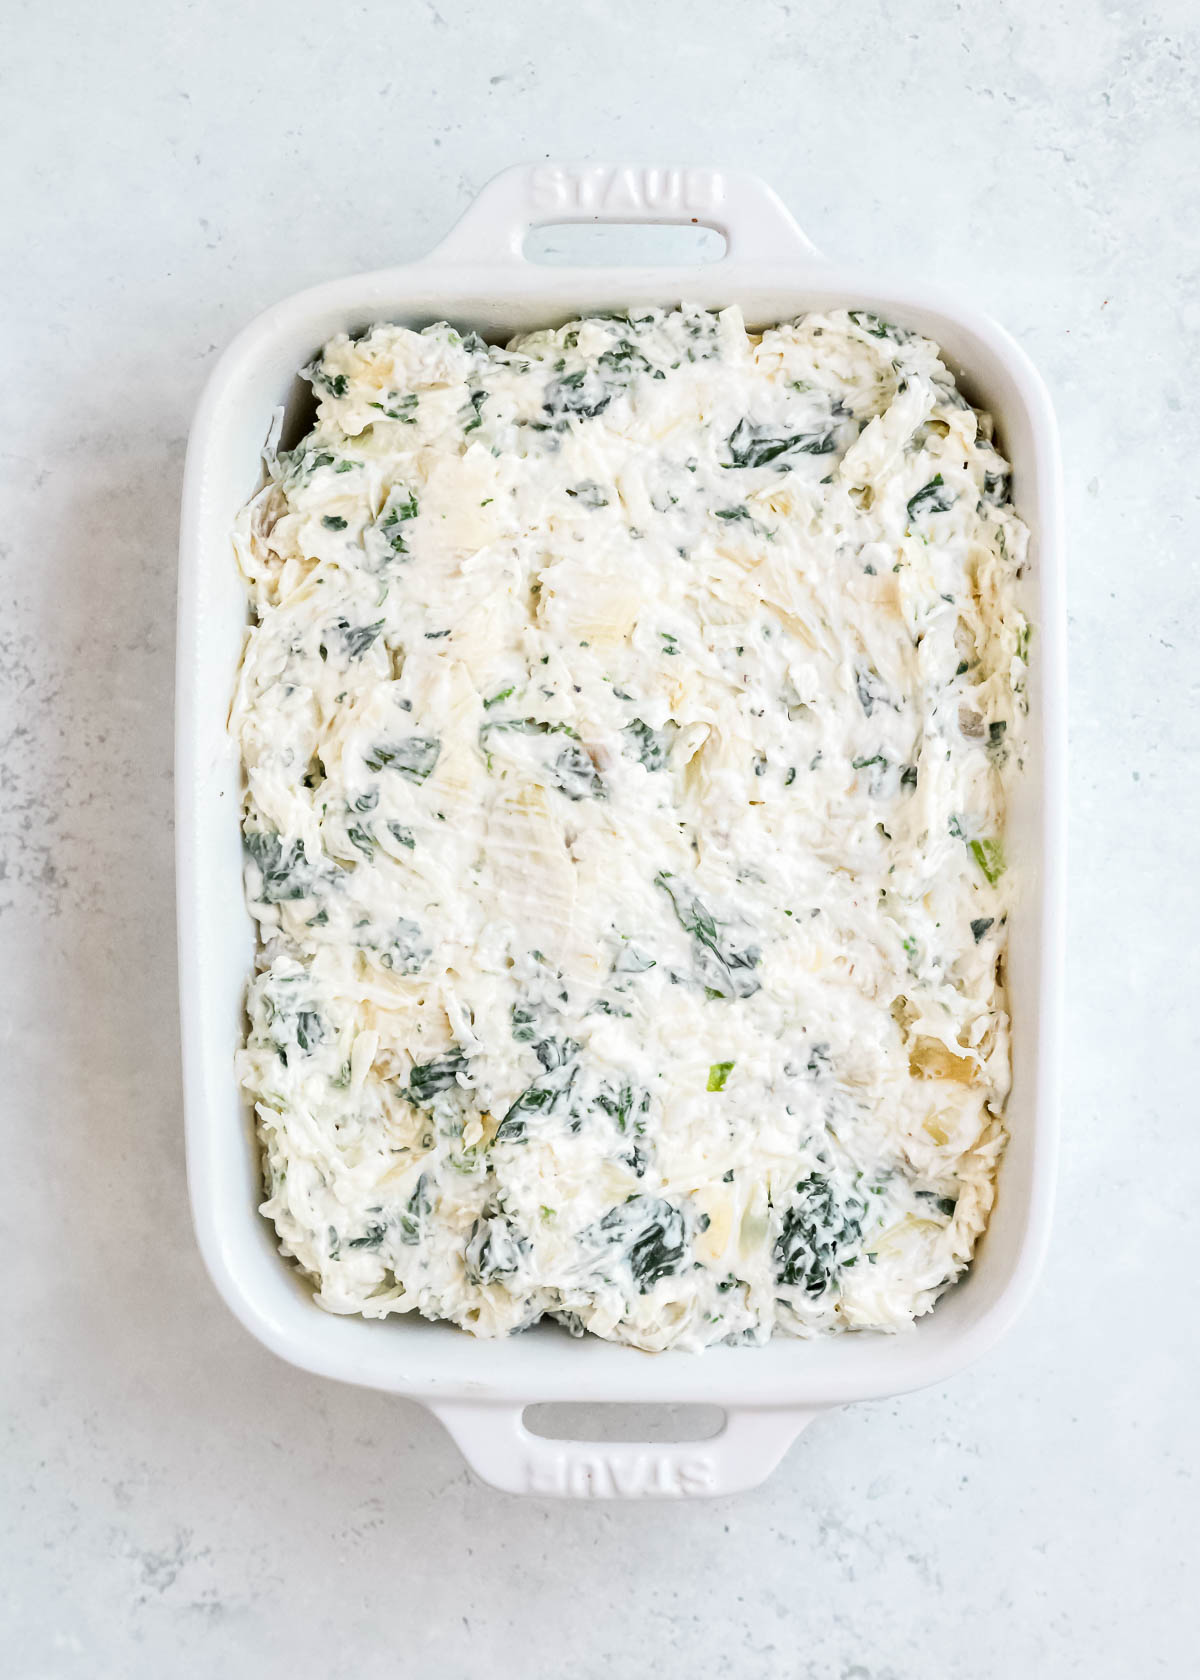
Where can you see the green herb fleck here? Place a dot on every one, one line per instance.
(989, 855)
(588, 494)
(403, 408)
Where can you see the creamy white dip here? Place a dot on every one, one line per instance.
(626, 722)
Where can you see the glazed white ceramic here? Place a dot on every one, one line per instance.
(478, 278)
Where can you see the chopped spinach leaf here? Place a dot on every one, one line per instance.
(814, 1234)
(930, 498)
(651, 747)
(406, 953)
(877, 327)
(576, 775)
(650, 1234)
(333, 384)
(725, 969)
(871, 689)
(359, 638)
(494, 1249)
(473, 414)
(372, 1237)
(430, 1079)
(754, 446)
(524, 1026)
(555, 1052)
(416, 1210)
(310, 1029)
(286, 872)
(414, 757)
(579, 396)
(624, 1106)
(547, 1095)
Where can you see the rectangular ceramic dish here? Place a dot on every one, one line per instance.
(478, 277)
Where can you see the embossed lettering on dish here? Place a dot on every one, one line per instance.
(621, 1475)
(553, 187)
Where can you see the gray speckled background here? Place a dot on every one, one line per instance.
(177, 1502)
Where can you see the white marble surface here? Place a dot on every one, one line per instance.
(177, 1502)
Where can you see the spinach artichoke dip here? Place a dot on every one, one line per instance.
(626, 722)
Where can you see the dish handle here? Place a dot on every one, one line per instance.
(757, 225)
(493, 1439)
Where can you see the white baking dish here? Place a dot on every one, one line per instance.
(478, 278)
